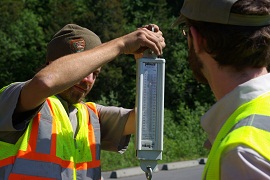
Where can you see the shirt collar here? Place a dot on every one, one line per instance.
(216, 116)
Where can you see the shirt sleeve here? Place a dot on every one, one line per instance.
(9, 121)
(8, 101)
(112, 124)
(244, 163)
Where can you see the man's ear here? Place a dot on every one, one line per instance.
(197, 40)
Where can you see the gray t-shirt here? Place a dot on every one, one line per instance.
(12, 126)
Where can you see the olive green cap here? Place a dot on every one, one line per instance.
(218, 11)
(70, 39)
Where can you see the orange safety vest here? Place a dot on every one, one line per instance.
(48, 150)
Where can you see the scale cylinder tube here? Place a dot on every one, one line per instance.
(150, 111)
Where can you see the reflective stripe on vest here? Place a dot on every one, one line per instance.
(96, 125)
(259, 121)
(47, 150)
(248, 126)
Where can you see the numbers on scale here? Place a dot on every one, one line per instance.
(149, 104)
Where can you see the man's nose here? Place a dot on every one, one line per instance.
(89, 79)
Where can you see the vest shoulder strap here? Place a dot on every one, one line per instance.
(259, 107)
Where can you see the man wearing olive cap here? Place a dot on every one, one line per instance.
(229, 49)
(46, 130)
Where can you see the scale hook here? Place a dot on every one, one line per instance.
(149, 173)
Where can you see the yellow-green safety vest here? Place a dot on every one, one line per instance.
(49, 150)
(249, 125)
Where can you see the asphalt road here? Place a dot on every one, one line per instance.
(183, 173)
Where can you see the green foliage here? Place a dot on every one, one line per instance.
(9, 12)
(184, 140)
(175, 6)
(22, 48)
(108, 100)
(113, 160)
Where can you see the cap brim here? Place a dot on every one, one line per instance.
(180, 20)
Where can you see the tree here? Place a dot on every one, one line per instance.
(22, 43)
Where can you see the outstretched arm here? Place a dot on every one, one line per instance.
(68, 70)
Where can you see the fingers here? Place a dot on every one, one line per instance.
(146, 37)
(153, 40)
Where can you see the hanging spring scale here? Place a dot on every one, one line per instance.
(150, 81)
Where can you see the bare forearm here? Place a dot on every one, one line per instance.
(131, 123)
(66, 71)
